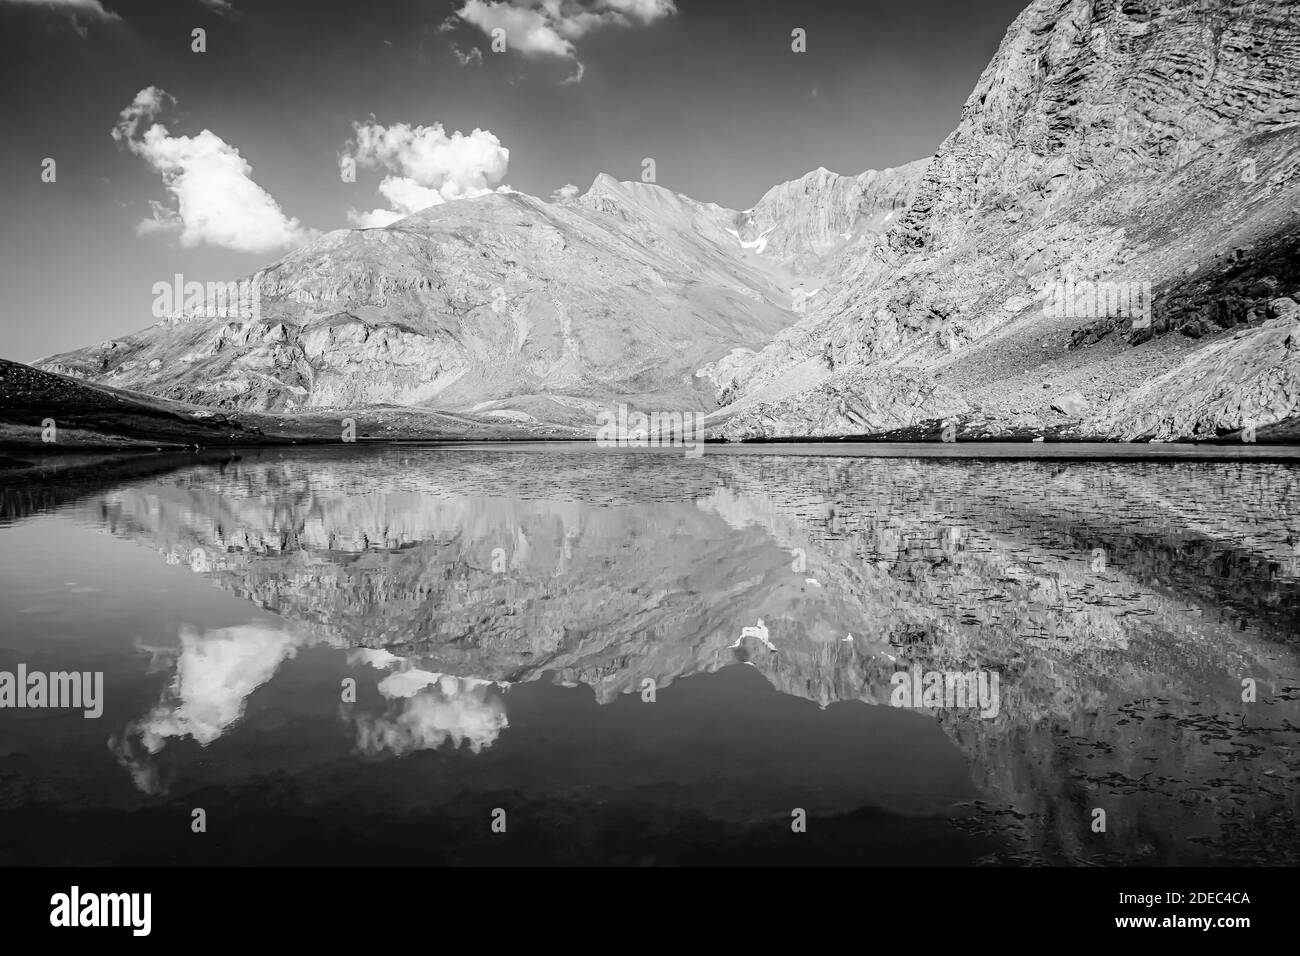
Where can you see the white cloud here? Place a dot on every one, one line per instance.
(93, 9)
(215, 672)
(431, 708)
(223, 7)
(564, 193)
(576, 76)
(529, 31)
(217, 202)
(375, 218)
(379, 657)
(551, 27)
(426, 166)
(434, 708)
(475, 55)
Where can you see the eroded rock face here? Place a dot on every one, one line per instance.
(862, 402)
(804, 223)
(1129, 143)
(1233, 385)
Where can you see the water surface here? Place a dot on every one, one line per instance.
(507, 614)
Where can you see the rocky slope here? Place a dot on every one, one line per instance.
(53, 413)
(1127, 142)
(47, 414)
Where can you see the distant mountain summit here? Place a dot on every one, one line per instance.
(804, 223)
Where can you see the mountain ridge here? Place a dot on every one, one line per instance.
(1131, 143)
(503, 303)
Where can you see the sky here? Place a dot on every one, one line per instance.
(302, 116)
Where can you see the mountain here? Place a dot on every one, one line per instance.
(1150, 147)
(510, 307)
(624, 293)
(1104, 248)
(505, 305)
(73, 413)
(44, 413)
(803, 224)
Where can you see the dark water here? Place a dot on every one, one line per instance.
(502, 610)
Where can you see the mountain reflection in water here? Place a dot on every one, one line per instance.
(551, 631)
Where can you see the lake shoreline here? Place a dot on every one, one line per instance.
(42, 461)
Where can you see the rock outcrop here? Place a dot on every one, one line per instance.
(858, 402)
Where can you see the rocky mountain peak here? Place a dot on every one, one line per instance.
(806, 222)
(1146, 146)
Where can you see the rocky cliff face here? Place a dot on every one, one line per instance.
(804, 223)
(1139, 145)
